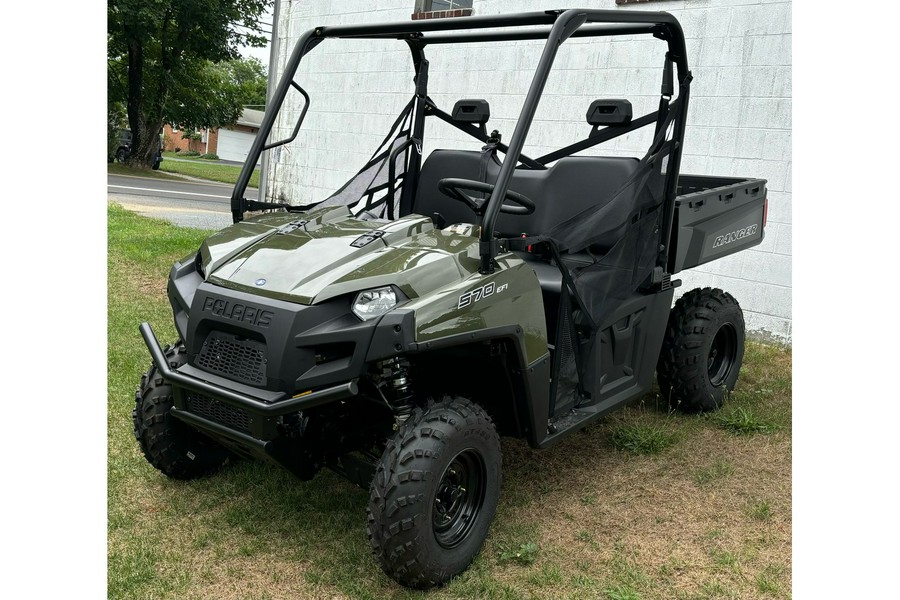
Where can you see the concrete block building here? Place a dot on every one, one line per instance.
(739, 119)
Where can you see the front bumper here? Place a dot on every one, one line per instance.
(257, 434)
(277, 405)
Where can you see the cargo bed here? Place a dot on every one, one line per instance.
(715, 217)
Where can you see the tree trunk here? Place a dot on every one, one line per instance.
(145, 128)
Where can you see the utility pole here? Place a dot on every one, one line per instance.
(270, 88)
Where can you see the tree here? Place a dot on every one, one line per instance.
(162, 63)
(250, 78)
(214, 94)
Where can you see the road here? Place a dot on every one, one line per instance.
(185, 203)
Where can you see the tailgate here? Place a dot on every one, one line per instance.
(715, 217)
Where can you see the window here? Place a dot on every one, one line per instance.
(429, 9)
(434, 5)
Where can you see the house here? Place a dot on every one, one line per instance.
(739, 123)
(229, 143)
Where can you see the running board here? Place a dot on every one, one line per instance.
(582, 416)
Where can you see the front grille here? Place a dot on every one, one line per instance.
(234, 357)
(221, 413)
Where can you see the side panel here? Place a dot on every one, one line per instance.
(509, 297)
(620, 364)
(506, 304)
(720, 216)
(624, 354)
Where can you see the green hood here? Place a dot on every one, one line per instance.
(314, 256)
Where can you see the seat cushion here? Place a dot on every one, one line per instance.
(573, 184)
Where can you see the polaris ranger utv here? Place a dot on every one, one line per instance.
(395, 330)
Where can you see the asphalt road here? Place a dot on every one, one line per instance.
(186, 203)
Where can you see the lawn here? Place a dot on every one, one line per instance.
(643, 505)
(120, 169)
(204, 169)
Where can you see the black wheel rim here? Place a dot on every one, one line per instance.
(722, 354)
(459, 497)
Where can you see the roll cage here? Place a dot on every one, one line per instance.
(555, 26)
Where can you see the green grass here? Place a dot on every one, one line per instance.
(179, 155)
(760, 510)
(767, 581)
(120, 169)
(621, 592)
(202, 169)
(525, 554)
(548, 575)
(642, 438)
(718, 470)
(743, 421)
(578, 520)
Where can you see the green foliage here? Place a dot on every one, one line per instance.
(248, 78)
(638, 438)
(189, 153)
(210, 156)
(162, 57)
(523, 555)
(742, 421)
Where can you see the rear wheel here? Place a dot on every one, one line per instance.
(121, 155)
(434, 493)
(702, 350)
(168, 444)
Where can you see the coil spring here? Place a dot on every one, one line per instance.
(397, 376)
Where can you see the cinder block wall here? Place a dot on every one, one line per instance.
(739, 120)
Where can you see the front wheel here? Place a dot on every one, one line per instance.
(168, 444)
(434, 493)
(702, 350)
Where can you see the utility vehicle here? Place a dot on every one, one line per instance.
(394, 331)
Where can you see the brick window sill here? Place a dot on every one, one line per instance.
(442, 14)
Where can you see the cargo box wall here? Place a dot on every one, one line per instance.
(715, 217)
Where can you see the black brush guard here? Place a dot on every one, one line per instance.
(260, 442)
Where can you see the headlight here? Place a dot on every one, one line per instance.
(374, 303)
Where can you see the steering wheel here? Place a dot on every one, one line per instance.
(452, 187)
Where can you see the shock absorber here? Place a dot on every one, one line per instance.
(396, 375)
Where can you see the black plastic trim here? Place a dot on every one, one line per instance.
(534, 379)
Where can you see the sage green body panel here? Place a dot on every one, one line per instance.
(308, 258)
(518, 303)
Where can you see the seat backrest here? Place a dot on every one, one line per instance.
(570, 186)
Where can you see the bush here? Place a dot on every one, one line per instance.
(210, 156)
(177, 150)
(190, 153)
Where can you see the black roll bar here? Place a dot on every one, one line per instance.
(563, 24)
